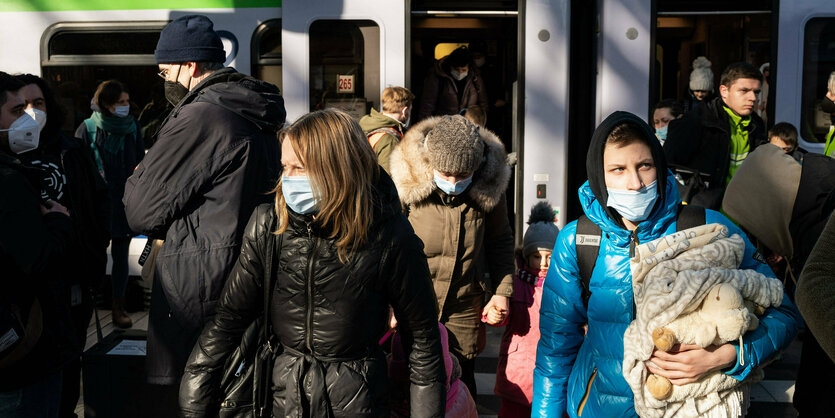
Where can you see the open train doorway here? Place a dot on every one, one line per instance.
(723, 33)
(490, 32)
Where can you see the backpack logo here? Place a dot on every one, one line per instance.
(591, 240)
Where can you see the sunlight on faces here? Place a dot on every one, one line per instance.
(540, 259)
(661, 117)
(452, 177)
(741, 97)
(33, 97)
(628, 167)
(291, 163)
(11, 110)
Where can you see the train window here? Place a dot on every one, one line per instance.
(266, 52)
(345, 65)
(76, 57)
(818, 64)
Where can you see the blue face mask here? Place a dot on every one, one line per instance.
(451, 188)
(661, 134)
(634, 205)
(298, 194)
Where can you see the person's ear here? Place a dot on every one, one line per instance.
(191, 69)
(724, 91)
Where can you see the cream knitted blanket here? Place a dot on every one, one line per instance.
(670, 277)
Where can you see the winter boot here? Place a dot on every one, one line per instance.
(120, 317)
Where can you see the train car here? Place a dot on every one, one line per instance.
(557, 67)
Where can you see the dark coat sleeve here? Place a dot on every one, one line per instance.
(481, 90)
(429, 101)
(682, 139)
(176, 170)
(498, 246)
(33, 241)
(240, 303)
(815, 293)
(412, 297)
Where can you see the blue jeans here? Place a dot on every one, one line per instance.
(40, 399)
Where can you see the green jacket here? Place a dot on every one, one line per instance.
(385, 145)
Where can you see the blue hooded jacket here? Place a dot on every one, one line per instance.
(566, 362)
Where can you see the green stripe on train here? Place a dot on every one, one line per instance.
(70, 5)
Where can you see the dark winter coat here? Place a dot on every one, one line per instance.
(787, 212)
(215, 159)
(328, 317)
(72, 179)
(441, 95)
(816, 291)
(32, 248)
(701, 140)
(117, 169)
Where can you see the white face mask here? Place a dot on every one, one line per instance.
(458, 76)
(38, 115)
(121, 111)
(25, 132)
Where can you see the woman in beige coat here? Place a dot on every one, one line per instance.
(451, 176)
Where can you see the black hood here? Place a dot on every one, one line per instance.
(594, 159)
(255, 100)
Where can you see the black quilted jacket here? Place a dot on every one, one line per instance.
(328, 317)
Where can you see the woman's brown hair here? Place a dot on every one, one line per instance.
(342, 169)
(107, 94)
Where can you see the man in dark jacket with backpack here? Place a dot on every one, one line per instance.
(215, 158)
(716, 136)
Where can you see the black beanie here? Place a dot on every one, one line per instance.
(189, 39)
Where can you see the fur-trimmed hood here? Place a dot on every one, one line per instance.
(413, 175)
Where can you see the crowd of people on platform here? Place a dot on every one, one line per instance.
(367, 257)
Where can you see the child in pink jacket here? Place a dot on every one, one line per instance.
(517, 355)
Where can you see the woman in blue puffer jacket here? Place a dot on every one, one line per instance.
(582, 376)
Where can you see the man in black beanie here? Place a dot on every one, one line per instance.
(215, 159)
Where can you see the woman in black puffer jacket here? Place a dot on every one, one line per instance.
(346, 253)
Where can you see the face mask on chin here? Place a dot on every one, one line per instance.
(634, 205)
(661, 134)
(24, 133)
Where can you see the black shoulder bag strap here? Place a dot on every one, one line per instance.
(268, 349)
(587, 243)
(689, 216)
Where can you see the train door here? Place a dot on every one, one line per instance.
(340, 53)
(490, 33)
(722, 32)
(521, 50)
(806, 66)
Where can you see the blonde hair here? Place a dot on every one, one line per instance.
(342, 169)
(396, 98)
(831, 83)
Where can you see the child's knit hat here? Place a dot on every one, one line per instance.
(542, 231)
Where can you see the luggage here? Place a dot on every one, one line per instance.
(114, 380)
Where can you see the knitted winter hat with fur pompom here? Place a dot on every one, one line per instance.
(542, 231)
(701, 78)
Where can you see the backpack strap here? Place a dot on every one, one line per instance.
(376, 135)
(587, 244)
(270, 273)
(587, 241)
(689, 216)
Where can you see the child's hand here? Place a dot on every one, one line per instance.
(496, 311)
